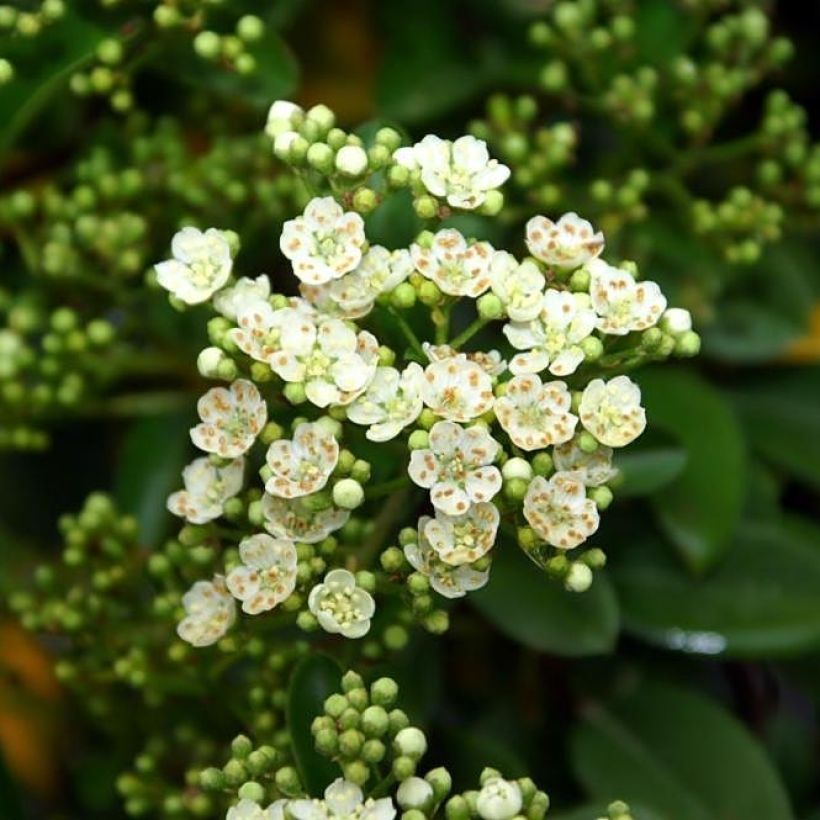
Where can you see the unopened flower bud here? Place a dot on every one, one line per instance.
(516, 468)
(414, 793)
(578, 577)
(410, 742)
(351, 161)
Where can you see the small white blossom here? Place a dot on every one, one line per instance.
(456, 267)
(676, 321)
(335, 363)
(302, 466)
(268, 574)
(457, 389)
(535, 414)
(343, 801)
(612, 411)
(283, 116)
(355, 293)
(460, 171)
(209, 612)
(245, 294)
(567, 243)
(391, 402)
(260, 327)
(519, 286)
(490, 361)
(552, 339)
(207, 488)
(324, 243)
(462, 539)
(295, 520)
(559, 510)
(622, 304)
(499, 799)
(351, 160)
(447, 580)
(231, 419)
(594, 468)
(201, 265)
(249, 810)
(457, 468)
(341, 606)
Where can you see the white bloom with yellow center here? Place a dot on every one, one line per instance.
(535, 414)
(622, 304)
(207, 488)
(552, 340)
(499, 799)
(260, 327)
(559, 511)
(457, 468)
(334, 363)
(446, 580)
(567, 243)
(489, 361)
(295, 520)
(244, 294)
(231, 419)
(594, 468)
(519, 286)
(200, 266)
(209, 612)
(268, 574)
(460, 172)
(302, 465)
(391, 402)
(457, 268)
(457, 389)
(341, 606)
(343, 801)
(612, 411)
(463, 539)
(324, 243)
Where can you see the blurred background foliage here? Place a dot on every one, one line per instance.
(686, 680)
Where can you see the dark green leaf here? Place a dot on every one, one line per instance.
(662, 30)
(761, 601)
(749, 332)
(701, 508)
(678, 753)
(645, 471)
(11, 807)
(538, 612)
(316, 677)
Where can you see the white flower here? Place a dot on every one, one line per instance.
(535, 414)
(260, 327)
(354, 294)
(207, 488)
(457, 389)
(343, 801)
(335, 363)
(245, 294)
(209, 612)
(676, 321)
(324, 243)
(231, 419)
(552, 339)
(268, 576)
(594, 468)
(567, 243)
(559, 510)
(622, 304)
(489, 361)
(341, 606)
(456, 267)
(248, 810)
(457, 468)
(295, 520)
(391, 402)
(460, 171)
(200, 266)
(499, 799)
(302, 466)
(612, 411)
(283, 116)
(519, 286)
(449, 581)
(462, 539)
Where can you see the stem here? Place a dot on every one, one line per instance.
(394, 508)
(711, 154)
(468, 332)
(387, 487)
(443, 323)
(408, 332)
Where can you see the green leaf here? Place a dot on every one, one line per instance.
(678, 753)
(538, 612)
(154, 451)
(700, 509)
(11, 807)
(781, 414)
(316, 677)
(749, 332)
(761, 601)
(662, 30)
(646, 471)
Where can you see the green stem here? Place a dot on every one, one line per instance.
(711, 154)
(387, 487)
(408, 332)
(474, 327)
(443, 323)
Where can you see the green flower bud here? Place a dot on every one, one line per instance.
(251, 791)
(392, 560)
(398, 176)
(418, 440)
(365, 200)
(356, 772)
(403, 767)
(360, 471)
(403, 296)
(414, 793)
(389, 138)
(429, 293)
(241, 747)
(493, 203)
(587, 442)
(515, 489)
(517, 468)
(208, 45)
(578, 577)
(425, 206)
(250, 28)
(395, 637)
(234, 772)
(294, 392)
(490, 307)
(383, 692)
(688, 344)
(212, 779)
(602, 496)
(457, 809)
(348, 494)
(350, 743)
(592, 348)
(324, 118)
(438, 622)
(335, 705)
(418, 584)
(351, 161)
(441, 781)
(410, 742)
(287, 781)
(373, 751)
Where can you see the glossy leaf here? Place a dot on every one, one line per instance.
(646, 471)
(678, 753)
(538, 612)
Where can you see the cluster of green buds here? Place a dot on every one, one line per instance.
(23, 25)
